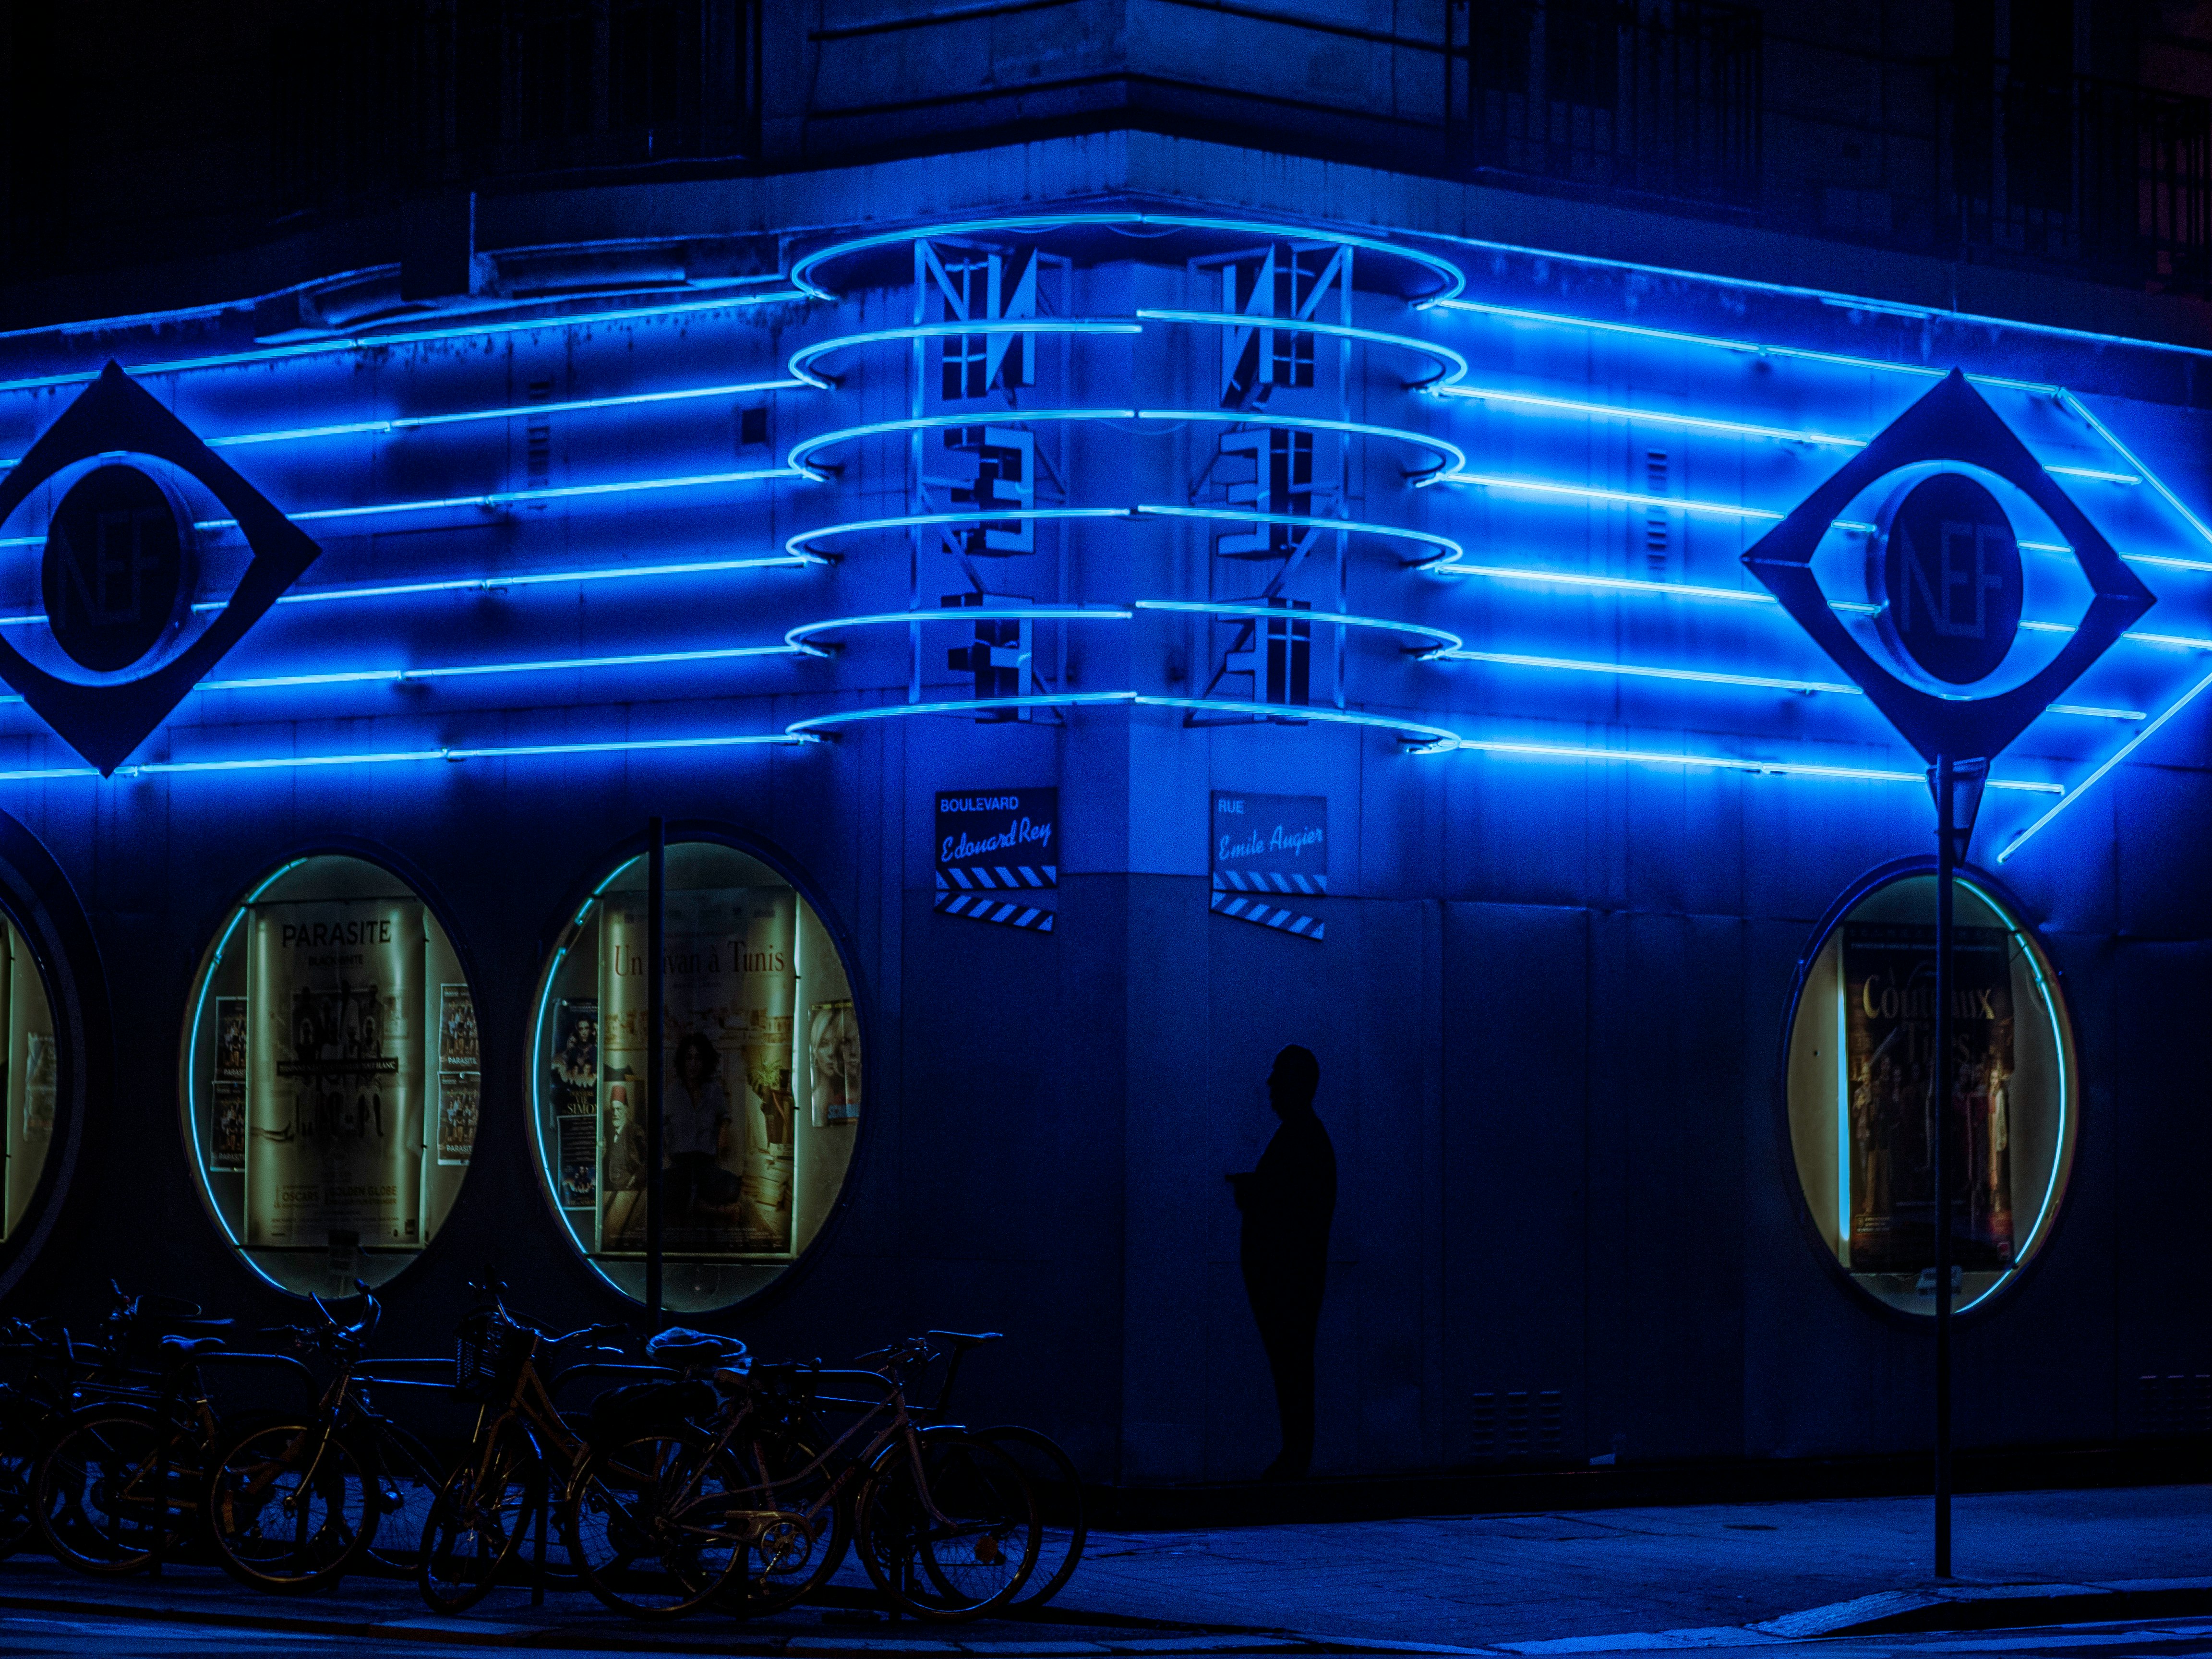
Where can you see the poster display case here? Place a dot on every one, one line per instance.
(31, 1069)
(331, 1075)
(1867, 1096)
(760, 1047)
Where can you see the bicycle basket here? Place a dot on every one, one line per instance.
(489, 1350)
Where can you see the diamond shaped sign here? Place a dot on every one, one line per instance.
(1952, 423)
(106, 721)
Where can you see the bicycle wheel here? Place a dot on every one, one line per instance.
(480, 1514)
(408, 1478)
(795, 1526)
(1059, 1491)
(290, 1506)
(98, 1495)
(24, 1422)
(649, 1523)
(953, 1538)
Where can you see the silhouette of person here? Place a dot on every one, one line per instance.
(1288, 1202)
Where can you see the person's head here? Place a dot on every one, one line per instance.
(1292, 1083)
(694, 1060)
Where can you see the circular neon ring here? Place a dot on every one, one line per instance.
(1450, 457)
(1421, 740)
(797, 638)
(1443, 639)
(802, 269)
(1452, 368)
(800, 366)
(799, 544)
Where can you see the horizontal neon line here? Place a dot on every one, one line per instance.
(1447, 642)
(1637, 670)
(796, 638)
(1355, 526)
(806, 448)
(1651, 417)
(1708, 423)
(495, 584)
(1725, 764)
(464, 671)
(370, 342)
(1706, 677)
(802, 271)
(412, 422)
(503, 751)
(2097, 776)
(802, 362)
(1678, 336)
(1455, 365)
(496, 498)
(1620, 497)
(1607, 584)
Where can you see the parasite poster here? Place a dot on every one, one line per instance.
(335, 1101)
(727, 1140)
(1901, 1098)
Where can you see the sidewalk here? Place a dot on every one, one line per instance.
(1562, 1581)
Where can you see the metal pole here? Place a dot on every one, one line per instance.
(1940, 1099)
(656, 927)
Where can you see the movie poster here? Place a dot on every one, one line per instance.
(1889, 1008)
(41, 1077)
(833, 1063)
(574, 1085)
(727, 1118)
(230, 1037)
(457, 1030)
(577, 1156)
(227, 1132)
(335, 1101)
(458, 1093)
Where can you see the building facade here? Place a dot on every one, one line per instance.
(1113, 538)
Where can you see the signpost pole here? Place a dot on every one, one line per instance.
(656, 995)
(1939, 1137)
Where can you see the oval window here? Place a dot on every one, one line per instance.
(33, 1070)
(331, 1075)
(761, 1052)
(1867, 1097)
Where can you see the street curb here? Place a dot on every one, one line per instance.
(1995, 1606)
(477, 1633)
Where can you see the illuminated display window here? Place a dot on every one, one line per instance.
(331, 1075)
(763, 1068)
(33, 1070)
(1862, 1096)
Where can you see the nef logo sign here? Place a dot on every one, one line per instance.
(1947, 579)
(117, 576)
(133, 622)
(1951, 579)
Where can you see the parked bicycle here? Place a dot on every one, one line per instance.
(294, 1505)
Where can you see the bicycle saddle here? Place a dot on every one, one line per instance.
(969, 1338)
(679, 1345)
(177, 1350)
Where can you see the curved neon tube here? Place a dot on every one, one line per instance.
(797, 639)
(802, 453)
(801, 364)
(802, 269)
(1419, 738)
(1446, 643)
(799, 543)
(1431, 739)
(1452, 368)
(819, 724)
